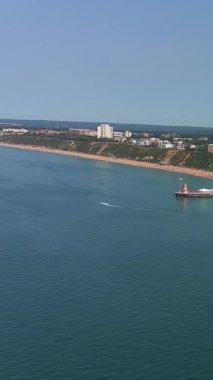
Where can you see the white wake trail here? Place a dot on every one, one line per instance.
(109, 205)
(135, 208)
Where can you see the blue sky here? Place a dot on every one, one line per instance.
(140, 61)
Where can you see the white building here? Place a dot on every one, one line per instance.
(117, 134)
(17, 131)
(128, 134)
(144, 142)
(104, 131)
(165, 144)
(210, 148)
(178, 144)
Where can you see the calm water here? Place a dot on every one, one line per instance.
(90, 291)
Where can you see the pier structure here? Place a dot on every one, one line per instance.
(184, 192)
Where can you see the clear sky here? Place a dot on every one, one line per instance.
(140, 61)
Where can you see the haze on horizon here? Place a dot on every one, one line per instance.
(127, 61)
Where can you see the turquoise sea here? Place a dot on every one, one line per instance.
(104, 274)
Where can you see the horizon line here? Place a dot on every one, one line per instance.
(107, 122)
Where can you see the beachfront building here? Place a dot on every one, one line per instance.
(165, 144)
(178, 144)
(104, 131)
(119, 137)
(210, 148)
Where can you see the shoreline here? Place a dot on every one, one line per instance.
(122, 161)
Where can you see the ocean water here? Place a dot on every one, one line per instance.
(104, 274)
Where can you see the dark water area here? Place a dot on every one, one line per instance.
(185, 130)
(104, 274)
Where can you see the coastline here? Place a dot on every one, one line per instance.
(122, 161)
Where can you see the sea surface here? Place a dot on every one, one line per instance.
(104, 274)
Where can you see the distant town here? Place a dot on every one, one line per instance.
(107, 132)
(194, 151)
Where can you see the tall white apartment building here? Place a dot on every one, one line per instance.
(128, 134)
(104, 131)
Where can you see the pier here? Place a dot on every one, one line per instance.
(200, 193)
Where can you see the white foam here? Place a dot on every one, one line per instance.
(133, 208)
(109, 205)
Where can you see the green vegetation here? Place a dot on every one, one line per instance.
(199, 159)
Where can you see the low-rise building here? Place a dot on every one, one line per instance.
(84, 132)
(210, 148)
(120, 139)
(119, 136)
(165, 144)
(143, 142)
(14, 131)
(145, 135)
(44, 132)
(178, 144)
(188, 138)
(203, 138)
(92, 132)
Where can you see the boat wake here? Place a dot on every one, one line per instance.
(109, 205)
(134, 208)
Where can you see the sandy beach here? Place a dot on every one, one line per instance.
(122, 161)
